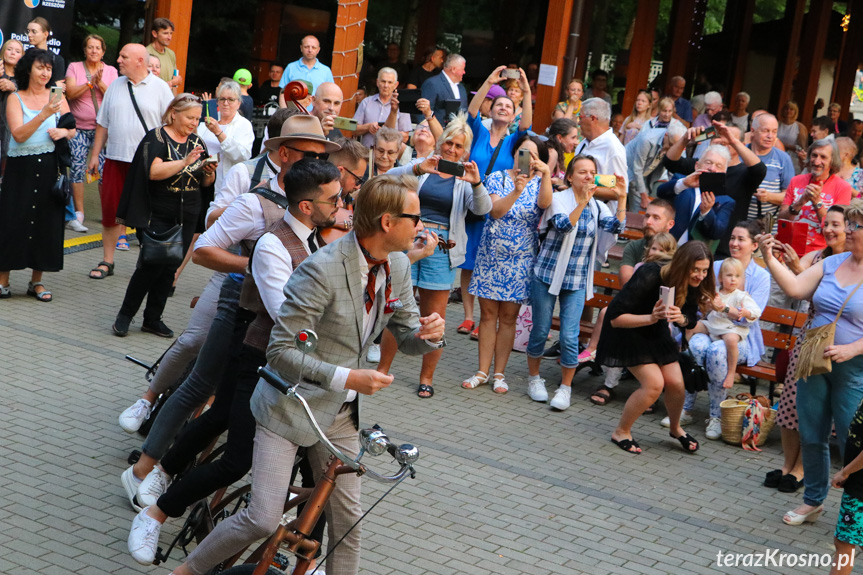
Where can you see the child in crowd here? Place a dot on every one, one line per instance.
(849, 526)
(660, 248)
(730, 305)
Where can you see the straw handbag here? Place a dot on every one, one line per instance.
(811, 360)
(733, 412)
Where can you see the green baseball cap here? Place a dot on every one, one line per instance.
(243, 77)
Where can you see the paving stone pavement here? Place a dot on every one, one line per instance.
(504, 486)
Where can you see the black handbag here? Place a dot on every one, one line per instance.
(163, 248)
(694, 375)
(61, 191)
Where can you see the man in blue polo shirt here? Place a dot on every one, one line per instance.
(308, 67)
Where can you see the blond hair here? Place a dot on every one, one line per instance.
(665, 242)
(380, 195)
(855, 211)
(180, 103)
(457, 126)
(731, 265)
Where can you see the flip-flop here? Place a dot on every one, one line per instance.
(122, 244)
(685, 441)
(423, 388)
(627, 445)
(465, 327)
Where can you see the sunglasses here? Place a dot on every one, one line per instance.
(414, 217)
(320, 156)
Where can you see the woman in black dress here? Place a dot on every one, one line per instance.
(636, 335)
(163, 189)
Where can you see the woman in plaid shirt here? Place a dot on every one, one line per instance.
(564, 269)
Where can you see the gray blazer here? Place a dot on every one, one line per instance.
(325, 295)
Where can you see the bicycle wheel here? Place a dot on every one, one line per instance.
(246, 569)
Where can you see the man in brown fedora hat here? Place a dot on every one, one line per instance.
(243, 222)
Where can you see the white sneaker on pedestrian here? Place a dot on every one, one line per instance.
(133, 417)
(76, 226)
(374, 353)
(685, 419)
(144, 538)
(536, 390)
(153, 486)
(714, 428)
(561, 398)
(131, 484)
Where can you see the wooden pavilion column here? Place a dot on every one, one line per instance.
(786, 58)
(684, 32)
(852, 54)
(811, 56)
(180, 13)
(640, 51)
(265, 48)
(583, 42)
(738, 23)
(427, 30)
(350, 30)
(553, 51)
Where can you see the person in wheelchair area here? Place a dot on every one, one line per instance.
(347, 292)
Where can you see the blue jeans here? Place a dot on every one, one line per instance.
(205, 376)
(714, 357)
(571, 306)
(822, 401)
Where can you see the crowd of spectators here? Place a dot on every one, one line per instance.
(518, 220)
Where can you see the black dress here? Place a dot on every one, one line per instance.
(626, 347)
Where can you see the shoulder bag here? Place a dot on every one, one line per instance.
(163, 248)
(811, 360)
(694, 375)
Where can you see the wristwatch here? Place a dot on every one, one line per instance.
(792, 210)
(819, 205)
(726, 310)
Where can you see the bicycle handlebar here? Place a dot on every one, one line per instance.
(405, 455)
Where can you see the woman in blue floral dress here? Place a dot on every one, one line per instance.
(504, 262)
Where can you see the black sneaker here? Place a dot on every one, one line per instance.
(553, 352)
(158, 328)
(121, 325)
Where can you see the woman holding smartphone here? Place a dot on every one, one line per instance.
(163, 189)
(31, 217)
(445, 200)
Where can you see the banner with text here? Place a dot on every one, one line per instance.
(15, 14)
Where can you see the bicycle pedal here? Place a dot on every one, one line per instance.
(281, 561)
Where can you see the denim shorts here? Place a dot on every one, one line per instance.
(434, 272)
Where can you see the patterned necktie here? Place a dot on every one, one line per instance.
(374, 266)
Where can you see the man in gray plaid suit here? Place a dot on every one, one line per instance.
(347, 292)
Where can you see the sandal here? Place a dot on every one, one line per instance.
(43, 295)
(423, 388)
(123, 244)
(602, 399)
(465, 327)
(102, 273)
(474, 335)
(772, 478)
(627, 445)
(5, 292)
(499, 385)
(475, 380)
(686, 441)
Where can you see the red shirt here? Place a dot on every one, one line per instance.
(834, 191)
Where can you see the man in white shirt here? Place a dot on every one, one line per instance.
(347, 292)
(120, 127)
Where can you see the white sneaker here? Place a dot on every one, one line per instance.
(685, 419)
(153, 486)
(144, 538)
(561, 398)
(133, 417)
(131, 484)
(536, 390)
(374, 353)
(714, 428)
(76, 226)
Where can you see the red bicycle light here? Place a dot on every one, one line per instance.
(303, 336)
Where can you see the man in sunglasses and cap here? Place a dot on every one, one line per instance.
(243, 222)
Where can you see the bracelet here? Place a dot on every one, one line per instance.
(220, 133)
(417, 170)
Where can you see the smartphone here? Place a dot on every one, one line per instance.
(56, 94)
(510, 74)
(708, 134)
(408, 100)
(348, 124)
(524, 162)
(452, 168)
(214, 159)
(604, 181)
(712, 182)
(452, 106)
(666, 294)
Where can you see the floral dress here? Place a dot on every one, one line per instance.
(507, 249)
(856, 181)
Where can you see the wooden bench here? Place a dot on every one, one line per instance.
(775, 340)
(607, 284)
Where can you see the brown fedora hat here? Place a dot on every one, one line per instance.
(302, 128)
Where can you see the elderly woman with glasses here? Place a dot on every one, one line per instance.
(445, 200)
(230, 135)
(830, 399)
